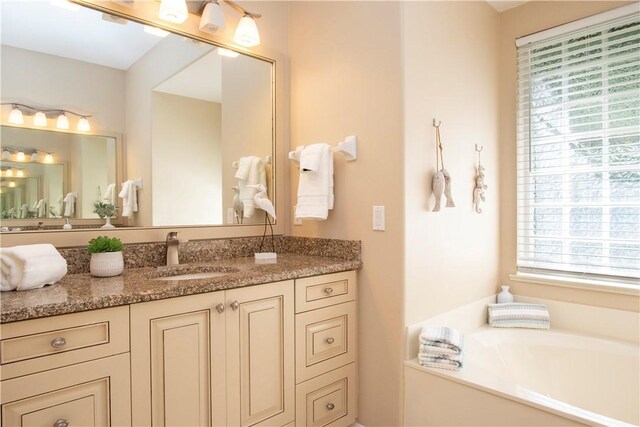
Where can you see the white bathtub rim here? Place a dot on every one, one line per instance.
(525, 396)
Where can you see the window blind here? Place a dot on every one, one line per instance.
(578, 152)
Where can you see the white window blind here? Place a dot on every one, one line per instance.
(578, 156)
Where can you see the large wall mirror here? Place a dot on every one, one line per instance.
(185, 125)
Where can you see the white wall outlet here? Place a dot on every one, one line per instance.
(378, 218)
(296, 221)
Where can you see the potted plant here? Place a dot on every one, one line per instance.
(105, 210)
(106, 256)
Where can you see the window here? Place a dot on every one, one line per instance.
(578, 157)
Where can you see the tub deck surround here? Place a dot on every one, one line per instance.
(82, 292)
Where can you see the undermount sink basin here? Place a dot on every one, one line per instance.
(191, 272)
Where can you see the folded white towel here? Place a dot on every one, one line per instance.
(519, 315)
(70, 204)
(315, 188)
(110, 194)
(255, 174)
(129, 196)
(453, 363)
(441, 340)
(30, 267)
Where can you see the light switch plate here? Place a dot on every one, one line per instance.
(378, 218)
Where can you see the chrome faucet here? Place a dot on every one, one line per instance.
(172, 248)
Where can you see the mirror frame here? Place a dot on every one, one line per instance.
(146, 13)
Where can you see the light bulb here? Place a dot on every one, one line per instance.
(212, 18)
(62, 122)
(15, 116)
(20, 173)
(48, 158)
(12, 183)
(227, 52)
(6, 155)
(40, 119)
(35, 157)
(247, 32)
(174, 11)
(8, 172)
(155, 31)
(20, 156)
(83, 125)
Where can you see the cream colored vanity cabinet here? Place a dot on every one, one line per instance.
(220, 358)
(326, 350)
(68, 370)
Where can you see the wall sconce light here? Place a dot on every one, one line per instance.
(62, 122)
(6, 154)
(35, 157)
(20, 156)
(12, 184)
(174, 11)
(226, 52)
(83, 125)
(247, 32)
(40, 116)
(15, 116)
(212, 18)
(8, 172)
(48, 158)
(20, 173)
(40, 119)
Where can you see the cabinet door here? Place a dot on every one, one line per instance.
(177, 361)
(94, 393)
(260, 355)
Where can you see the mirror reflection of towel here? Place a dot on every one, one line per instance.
(70, 204)
(129, 196)
(251, 171)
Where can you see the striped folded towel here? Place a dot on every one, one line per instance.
(519, 315)
(452, 363)
(440, 340)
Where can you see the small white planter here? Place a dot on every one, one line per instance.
(106, 264)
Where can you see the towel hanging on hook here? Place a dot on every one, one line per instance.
(442, 178)
(479, 191)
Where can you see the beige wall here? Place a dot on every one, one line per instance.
(186, 161)
(451, 74)
(530, 18)
(346, 80)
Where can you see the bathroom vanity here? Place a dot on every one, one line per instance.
(257, 345)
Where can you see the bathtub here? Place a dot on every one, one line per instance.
(528, 377)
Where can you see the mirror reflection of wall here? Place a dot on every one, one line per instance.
(185, 112)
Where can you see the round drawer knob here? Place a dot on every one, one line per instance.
(330, 406)
(61, 423)
(328, 291)
(235, 305)
(220, 308)
(329, 340)
(58, 342)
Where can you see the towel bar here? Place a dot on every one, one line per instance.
(267, 160)
(348, 148)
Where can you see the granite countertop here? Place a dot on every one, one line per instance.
(82, 292)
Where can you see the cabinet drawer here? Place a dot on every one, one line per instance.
(36, 345)
(94, 393)
(325, 340)
(323, 291)
(328, 400)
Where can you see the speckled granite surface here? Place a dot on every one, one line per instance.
(140, 281)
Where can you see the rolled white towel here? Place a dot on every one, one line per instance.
(440, 339)
(30, 267)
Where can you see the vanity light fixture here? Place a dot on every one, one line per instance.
(212, 18)
(48, 158)
(15, 116)
(8, 172)
(227, 52)
(35, 157)
(174, 11)
(12, 184)
(20, 173)
(155, 31)
(83, 125)
(62, 122)
(247, 32)
(6, 154)
(40, 119)
(20, 156)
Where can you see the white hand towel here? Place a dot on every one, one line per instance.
(256, 175)
(23, 210)
(30, 267)
(60, 205)
(110, 194)
(129, 196)
(42, 208)
(315, 189)
(244, 164)
(70, 204)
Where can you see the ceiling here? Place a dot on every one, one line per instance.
(200, 80)
(502, 5)
(42, 27)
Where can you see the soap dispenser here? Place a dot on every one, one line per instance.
(66, 225)
(505, 296)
